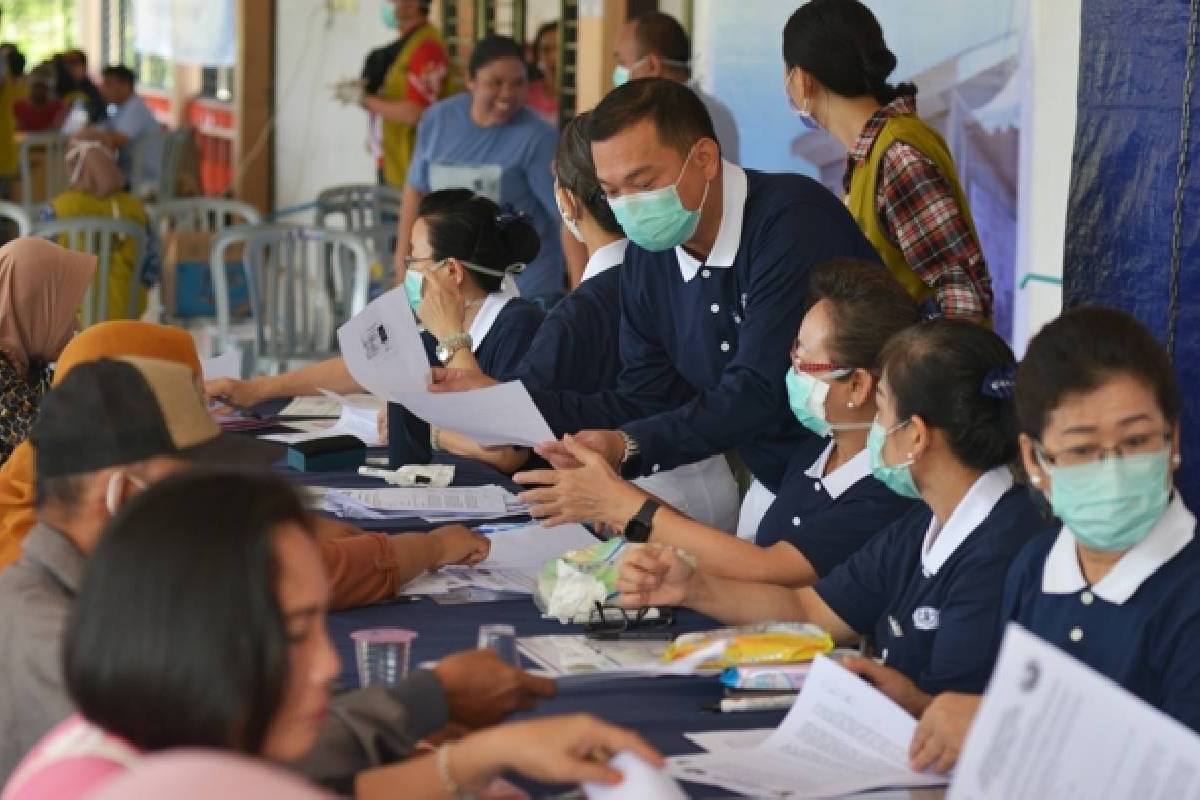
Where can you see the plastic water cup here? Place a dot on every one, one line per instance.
(503, 640)
(383, 655)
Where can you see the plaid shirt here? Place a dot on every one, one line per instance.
(918, 209)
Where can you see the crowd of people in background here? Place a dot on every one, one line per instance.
(791, 404)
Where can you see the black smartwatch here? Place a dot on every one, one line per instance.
(638, 528)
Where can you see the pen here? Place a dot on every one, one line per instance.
(506, 526)
(773, 703)
(631, 635)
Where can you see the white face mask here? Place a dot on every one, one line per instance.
(112, 497)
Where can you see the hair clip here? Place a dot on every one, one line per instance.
(510, 216)
(930, 310)
(1000, 382)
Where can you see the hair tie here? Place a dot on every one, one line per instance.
(509, 216)
(1000, 382)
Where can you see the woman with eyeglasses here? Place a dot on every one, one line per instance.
(926, 591)
(465, 250)
(828, 505)
(1115, 584)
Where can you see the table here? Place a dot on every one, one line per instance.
(661, 709)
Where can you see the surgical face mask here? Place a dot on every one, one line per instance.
(413, 283)
(1111, 504)
(657, 220)
(803, 114)
(387, 14)
(572, 224)
(807, 395)
(622, 74)
(897, 477)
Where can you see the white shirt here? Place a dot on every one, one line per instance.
(1063, 575)
(837, 482)
(942, 540)
(729, 235)
(492, 305)
(605, 258)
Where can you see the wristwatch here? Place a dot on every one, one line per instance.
(450, 345)
(638, 528)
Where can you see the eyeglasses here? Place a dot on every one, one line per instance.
(409, 261)
(606, 619)
(1133, 445)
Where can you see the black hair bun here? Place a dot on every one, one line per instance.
(518, 237)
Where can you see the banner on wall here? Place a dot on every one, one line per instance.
(186, 31)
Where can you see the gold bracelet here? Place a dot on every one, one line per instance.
(442, 761)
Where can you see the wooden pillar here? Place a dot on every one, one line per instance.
(599, 23)
(255, 103)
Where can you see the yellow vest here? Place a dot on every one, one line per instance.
(399, 141)
(864, 181)
(123, 267)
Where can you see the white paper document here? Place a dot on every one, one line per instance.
(452, 499)
(384, 353)
(328, 405)
(453, 579)
(226, 365)
(532, 546)
(575, 658)
(1049, 726)
(639, 781)
(841, 736)
(715, 741)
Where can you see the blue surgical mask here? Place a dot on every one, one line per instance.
(387, 14)
(897, 477)
(657, 220)
(803, 114)
(807, 395)
(622, 73)
(1111, 504)
(414, 282)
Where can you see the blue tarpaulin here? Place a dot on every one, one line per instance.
(1133, 221)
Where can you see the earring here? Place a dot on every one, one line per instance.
(1036, 480)
(1176, 460)
(850, 404)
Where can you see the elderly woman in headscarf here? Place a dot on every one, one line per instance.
(97, 189)
(41, 288)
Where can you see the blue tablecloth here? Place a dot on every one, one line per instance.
(660, 709)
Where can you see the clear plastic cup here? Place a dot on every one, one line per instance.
(383, 655)
(503, 640)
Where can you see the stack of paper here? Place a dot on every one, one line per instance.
(578, 658)
(383, 350)
(357, 416)
(841, 736)
(511, 566)
(328, 405)
(397, 502)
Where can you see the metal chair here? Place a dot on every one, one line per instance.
(17, 215)
(303, 283)
(201, 215)
(99, 236)
(52, 148)
(369, 210)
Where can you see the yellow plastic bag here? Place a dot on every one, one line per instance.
(769, 643)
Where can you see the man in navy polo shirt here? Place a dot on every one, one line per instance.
(712, 292)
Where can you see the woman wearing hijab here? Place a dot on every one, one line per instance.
(41, 287)
(98, 190)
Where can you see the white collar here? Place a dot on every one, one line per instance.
(837, 482)
(605, 258)
(493, 304)
(729, 235)
(1063, 575)
(970, 513)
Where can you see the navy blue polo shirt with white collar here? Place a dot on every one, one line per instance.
(722, 328)
(1139, 625)
(828, 518)
(929, 595)
(500, 333)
